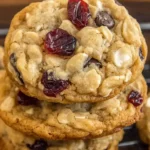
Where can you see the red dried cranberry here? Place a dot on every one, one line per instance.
(38, 145)
(25, 100)
(135, 98)
(93, 61)
(104, 19)
(53, 86)
(60, 42)
(78, 13)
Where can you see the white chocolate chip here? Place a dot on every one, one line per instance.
(76, 63)
(121, 55)
(7, 104)
(69, 27)
(122, 58)
(87, 82)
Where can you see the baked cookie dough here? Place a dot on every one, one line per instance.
(144, 124)
(1, 57)
(74, 50)
(11, 139)
(70, 121)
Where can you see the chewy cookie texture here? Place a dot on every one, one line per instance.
(11, 139)
(73, 72)
(74, 51)
(71, 121)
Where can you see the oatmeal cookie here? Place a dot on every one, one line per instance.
(1, 57)
(11, 139)
(55, 121)
(144, 124)
(70, 51)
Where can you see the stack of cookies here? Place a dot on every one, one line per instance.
(73, 76)
(144, 124)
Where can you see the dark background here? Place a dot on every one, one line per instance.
(140, 9)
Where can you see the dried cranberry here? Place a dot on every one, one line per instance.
(78, 13)
(104, 19)
(13, 61)
(93, 61)
(25, 100)
(60, 42)
(53, 86)
(38, 145)
(135, 98)
(141, 54)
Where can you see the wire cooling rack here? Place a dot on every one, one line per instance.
(131, 140)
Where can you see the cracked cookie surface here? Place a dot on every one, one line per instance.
(70, 121)
(57, 55)
(12, 139)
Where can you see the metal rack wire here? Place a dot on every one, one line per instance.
(131, 140)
